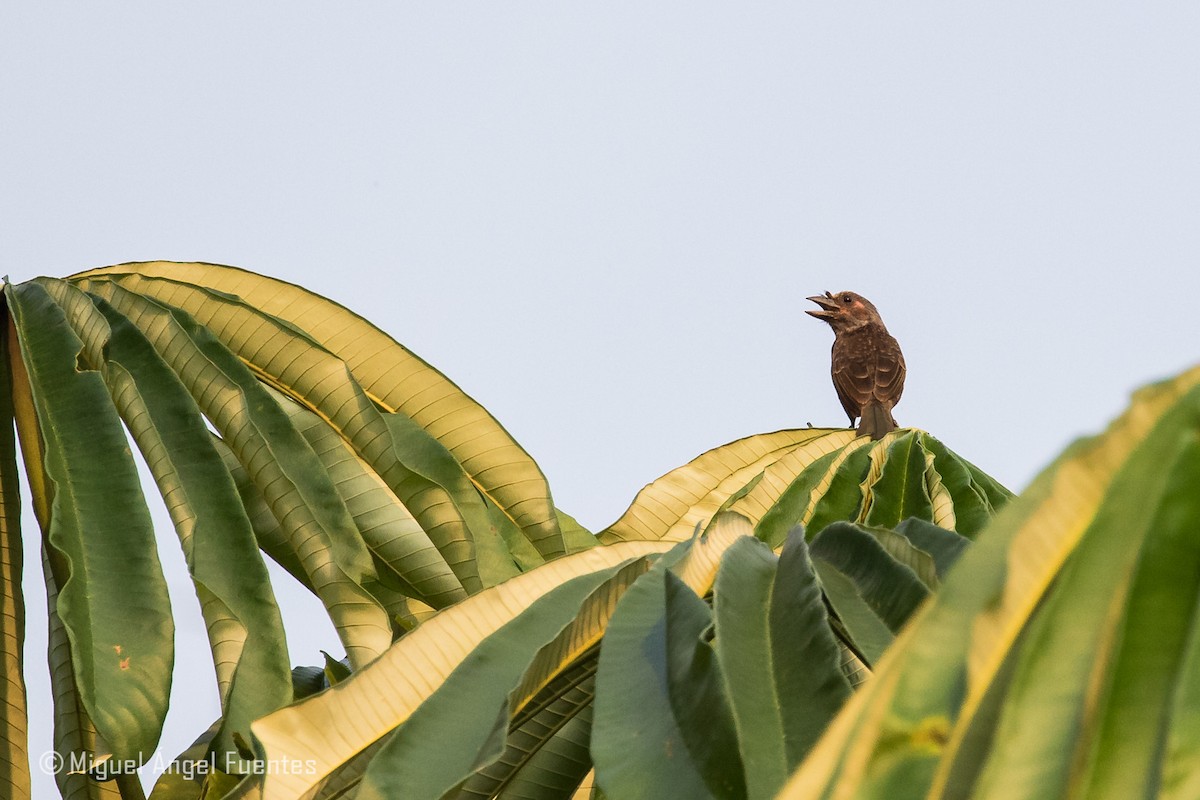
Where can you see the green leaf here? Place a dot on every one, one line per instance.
(387, 528)
(14, 736)
(113, 598)
(463, 725)
(780, 661)
(696, 689)
(889, 587)
(900, 491)
(244, 627)
(942, 545)
(184, 777)
(637, 747)
(383, 694)
(560, 762)
(279, 461)
(807, 662)
(973, 507)
(335, 671)
(793, 503)
(1105, 651)
(862, 624)
(575, 535)
(839, 495)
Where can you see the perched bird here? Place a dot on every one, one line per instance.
(868, 368)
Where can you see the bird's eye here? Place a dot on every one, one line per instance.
(846, 299)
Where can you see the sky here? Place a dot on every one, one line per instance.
(602, 220)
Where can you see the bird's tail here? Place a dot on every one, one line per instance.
(876, 420)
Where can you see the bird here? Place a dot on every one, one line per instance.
(867, 365)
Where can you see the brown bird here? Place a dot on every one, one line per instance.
(868, 367)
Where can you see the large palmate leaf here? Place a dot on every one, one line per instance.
(390, 374)
(815, 476)
(1059, 657)
(270, 419)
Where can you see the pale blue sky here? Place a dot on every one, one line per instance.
(601, 220)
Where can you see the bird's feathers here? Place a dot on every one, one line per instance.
(867, 365)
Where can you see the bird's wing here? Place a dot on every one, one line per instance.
(889, 374)
(852, 381)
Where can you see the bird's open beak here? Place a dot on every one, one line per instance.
(828, 306)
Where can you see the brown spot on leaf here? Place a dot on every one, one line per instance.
(124, 663)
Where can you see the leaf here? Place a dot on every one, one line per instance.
(637, 746)
(14, 736)
(462, 727)
(280, 462)
(840, 493)
(335, 671)
(695, 686)
(112, 598)
(780, 661)
(795, 502)
(942, 545)
(1106, 648)
(671, 506)
(561, 762)
(184, 777)
(900, 491)
(891, 589)
(861, 623)
(73, 731)
(387, 528)
(244, 627)
(332, 727)
(395, 378)
(575, 536)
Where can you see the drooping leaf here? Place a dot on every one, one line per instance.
(561, 759)
(637, 747)
(112, 597)
(1105, 651)
(900, 491)
(279, 461)
(14, 735)
(244, 626)
(184, 777)
(863, 625)
(391, 533)
(396, 379)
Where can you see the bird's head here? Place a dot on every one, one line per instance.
(845, 311)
